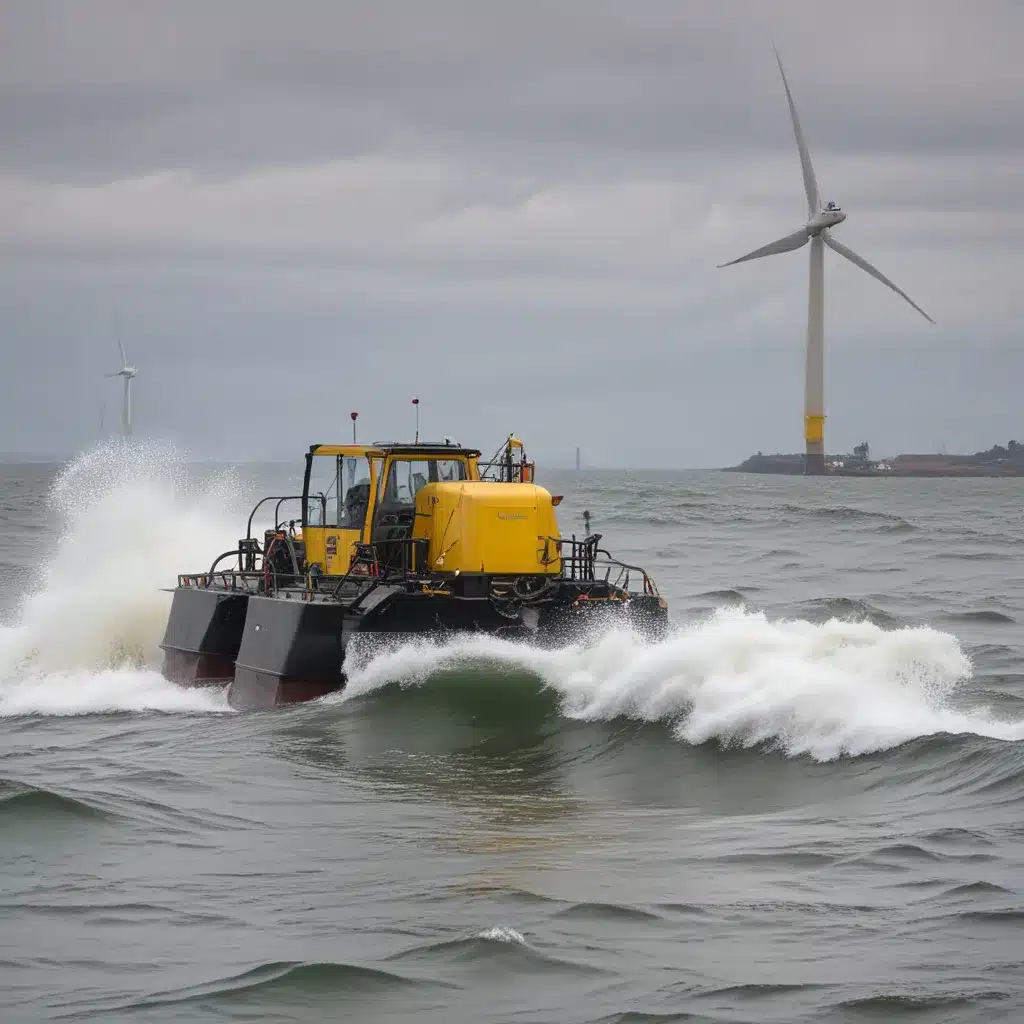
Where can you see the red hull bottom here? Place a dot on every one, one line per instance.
(187, 668)
(247, 688)
(252, 689)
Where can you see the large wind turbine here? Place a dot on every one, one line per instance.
(127, 372)
(816, 230)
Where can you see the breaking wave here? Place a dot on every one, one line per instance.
(824, 690)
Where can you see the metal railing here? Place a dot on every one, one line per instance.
(280, 499)
(227, 579)
(584, 560)
(509, 469)
(248, 551)
(395, 559)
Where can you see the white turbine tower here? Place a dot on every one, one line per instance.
(127, 372)
(816, 230)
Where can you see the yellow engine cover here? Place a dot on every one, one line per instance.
(488, 527)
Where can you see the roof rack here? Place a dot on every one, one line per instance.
(446, 443)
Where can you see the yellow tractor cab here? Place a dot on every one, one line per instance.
(396, 538)
(372, 508)
(359, 495)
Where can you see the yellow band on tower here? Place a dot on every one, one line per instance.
(814, 429)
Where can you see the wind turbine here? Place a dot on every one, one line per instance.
(127, 372)
(816, 230)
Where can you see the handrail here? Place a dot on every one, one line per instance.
(584, 556)
(228, 577)
(220, 558)
(384, 570)
(649, 586)
(279, 498)
(277, 507)
(268, 569)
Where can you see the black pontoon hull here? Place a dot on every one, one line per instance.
(291, 647)
(203, 634)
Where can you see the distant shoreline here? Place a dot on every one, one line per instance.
(997, 461)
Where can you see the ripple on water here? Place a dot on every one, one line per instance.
(288, 983)
(500, 947)
(896, 1006)
(606, 912)
(21, 803)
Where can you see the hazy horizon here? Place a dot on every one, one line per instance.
(191, 458)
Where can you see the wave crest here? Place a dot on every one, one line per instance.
(825, 690)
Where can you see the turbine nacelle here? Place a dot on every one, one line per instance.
(828, 217)
(815, 230)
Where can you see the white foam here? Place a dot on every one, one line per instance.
(820, 689)
(502, 934)
(131, 516)
(110, 690)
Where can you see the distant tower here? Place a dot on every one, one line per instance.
(577, 460)
(127, 372)
(821, 218)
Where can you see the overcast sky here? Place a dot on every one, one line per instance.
(514, 211)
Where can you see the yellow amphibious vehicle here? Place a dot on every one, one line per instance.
(396, 539)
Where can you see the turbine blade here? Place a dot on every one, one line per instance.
(858, 261)
(124, 358)
(810, 182)
(118, 374)
(785, 244)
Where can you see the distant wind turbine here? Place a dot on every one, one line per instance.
(127, 372)
(816, 230)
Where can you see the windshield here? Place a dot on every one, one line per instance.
(339, 491)
(355, 492)
(407, 476)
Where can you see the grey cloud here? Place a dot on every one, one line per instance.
(224, 84)
(437, 197)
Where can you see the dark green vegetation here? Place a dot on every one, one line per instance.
(996, 461)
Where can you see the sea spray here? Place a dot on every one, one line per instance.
(131, 517)
(62, 694)
(825, 690)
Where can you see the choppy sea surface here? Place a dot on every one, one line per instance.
(807, 804)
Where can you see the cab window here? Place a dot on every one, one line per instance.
(355, 492)
(450, 470)
(339, 491)
(405, 478)
(322, 496)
